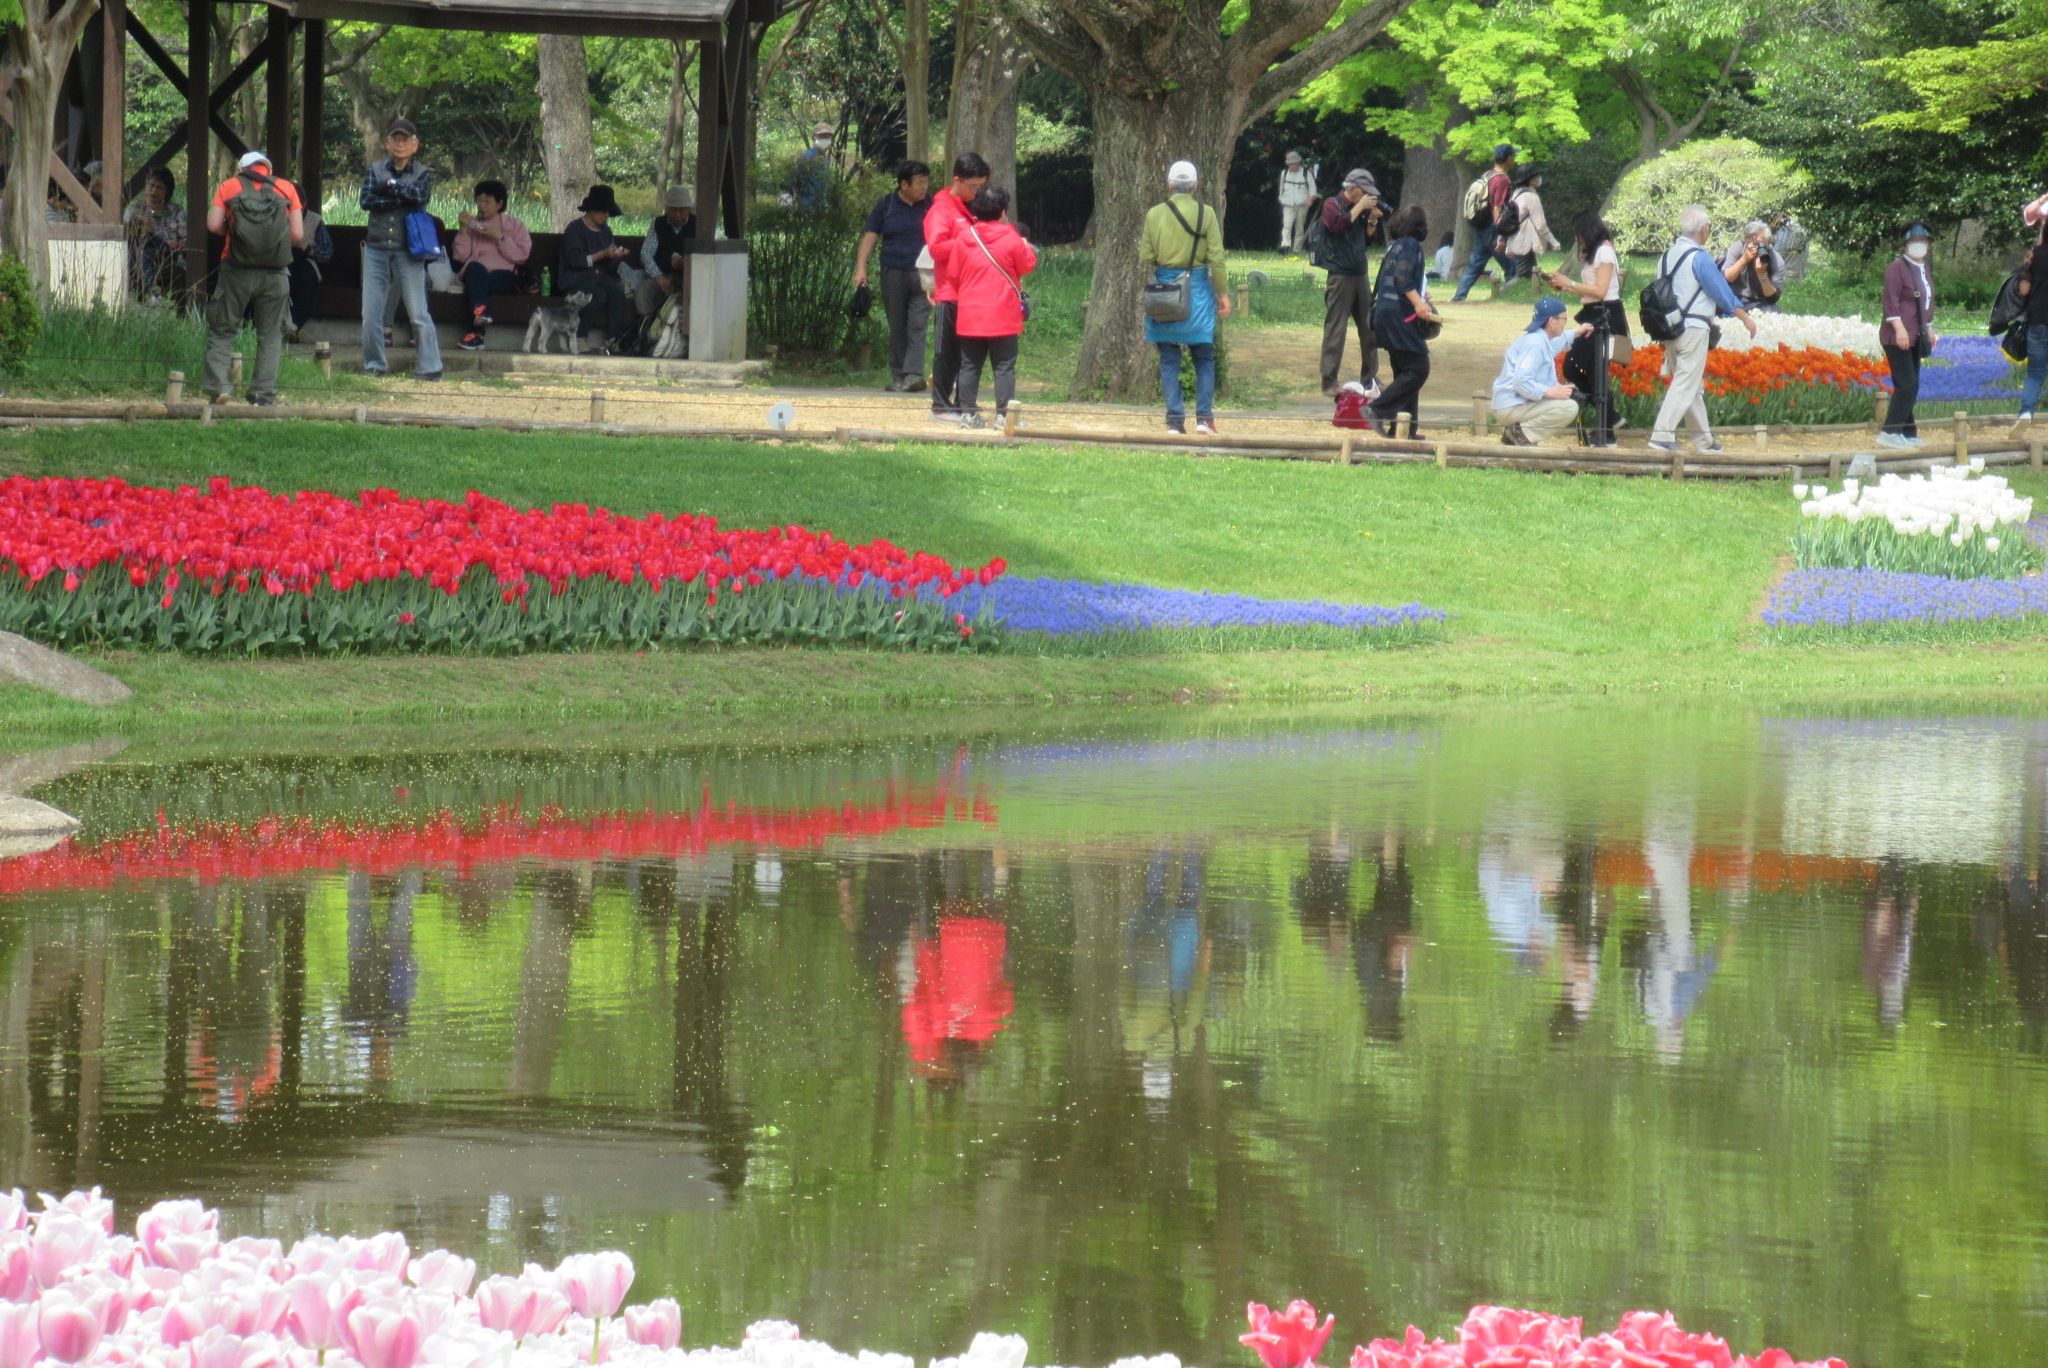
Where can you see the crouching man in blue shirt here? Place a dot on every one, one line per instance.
(1527, 394)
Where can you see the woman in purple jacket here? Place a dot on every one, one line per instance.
(1907, 334)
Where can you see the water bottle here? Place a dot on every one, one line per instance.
(547, 282)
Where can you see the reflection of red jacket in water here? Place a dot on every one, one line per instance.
(961, 993)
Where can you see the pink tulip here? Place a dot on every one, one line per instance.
(217, 1348)
(320, 1306)
(177, 1234)
(1506, 1334)
(68, 1328)
(252, 1309)
(17, 1266)
(317, 1254)
(62, 1242)
(440, 1271)
(520, 1307)
(1286, 1339)
(659, 1323)
(596, 1284)
(384, 1335)
(91, 1207)
(385, 1252)
(182, 1322)
(20, 1343)
(13, 1211)
(1659, 1338)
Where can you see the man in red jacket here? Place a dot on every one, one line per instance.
(941, 225)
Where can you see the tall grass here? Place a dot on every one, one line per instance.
(342, 207)
(132, 350)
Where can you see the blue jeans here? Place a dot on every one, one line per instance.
(1204, 354)
(1482, 252)
(2037, 367)
(382, 270)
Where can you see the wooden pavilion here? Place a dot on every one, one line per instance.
(725, 73)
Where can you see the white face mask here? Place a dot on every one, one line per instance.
(1917, 250)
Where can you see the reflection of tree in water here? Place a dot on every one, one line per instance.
(703, 1087)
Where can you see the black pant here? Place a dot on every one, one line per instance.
(1403, 393)
(945, 357)
(1583, 363)
(975, 350)
(305, 284)
(909, 314)
(479, 283)
(607, 301)
(1347, 303)
(1898, 416)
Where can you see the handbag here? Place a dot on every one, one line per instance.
(2014, 343)
(1430, 330)
(927, 269)
(1170, 301)
(422, 236)
(1023, 296)
(863, 300)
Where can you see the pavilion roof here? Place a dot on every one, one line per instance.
(618, 18)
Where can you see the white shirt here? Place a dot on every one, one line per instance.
(1297, 187)
(1604, 254)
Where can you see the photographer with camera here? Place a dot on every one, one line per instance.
(1349, 219)
(1754, 269)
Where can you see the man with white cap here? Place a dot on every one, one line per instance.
(1297, 202)
(1349, 218)
(1183, 235)
(1526, 394)
(811, 186)
(262, 219)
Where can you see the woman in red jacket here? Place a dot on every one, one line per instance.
(988, 261)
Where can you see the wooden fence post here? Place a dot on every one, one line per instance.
(1763, 437)
(1482, 413)
(174, 387)
(323, 352)
(1013, 418)
(235, 369)
(1962, 437)
(597, 406)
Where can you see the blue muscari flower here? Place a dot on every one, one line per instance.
(1062, 607)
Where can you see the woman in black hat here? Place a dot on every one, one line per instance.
(1907, 333)
(590, 261)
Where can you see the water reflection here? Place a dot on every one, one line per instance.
(1093, 1040)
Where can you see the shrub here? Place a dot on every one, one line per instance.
(800, 272)
(1734, 178)
(21, 323)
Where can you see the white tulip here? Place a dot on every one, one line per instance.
(1991, 543)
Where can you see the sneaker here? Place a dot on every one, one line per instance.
(914, 385)
(2026, 416)
(430, 375)
(973, 420)
(895, 386)
(1916, 441)
(1670, 448)
(220, 398)
(1177, 427)
(263, 400)
(1894, 440)
(480, 317)
(1708, 447)
(473, 340)
(1205, 427)
(945, 416)
(1512, 435)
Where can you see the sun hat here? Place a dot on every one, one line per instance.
(399, 126)
(1182, 173)
(252, 158)
(1293, 156)
(599, 200)
(1525, 174)
(1918, 232)
(1547, 308)
(678, 197)
(822, 130)
(1502, 151)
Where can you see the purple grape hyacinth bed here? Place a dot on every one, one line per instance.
(1969, 369)
(1073, 608)
(1882, 598)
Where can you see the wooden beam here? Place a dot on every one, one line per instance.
(313, 114)
(154, 50)
(198, 122)
(113, 103)
(277, 92)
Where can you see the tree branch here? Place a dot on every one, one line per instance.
(882, 22)
(1072, 56)
(1281, 82)
(796, 31)
(362, 50)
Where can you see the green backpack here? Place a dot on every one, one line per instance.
(259, 236)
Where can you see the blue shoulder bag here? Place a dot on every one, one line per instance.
(422, 236)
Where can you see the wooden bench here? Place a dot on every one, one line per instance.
(341, 282)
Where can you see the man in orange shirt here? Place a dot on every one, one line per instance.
(262, 220)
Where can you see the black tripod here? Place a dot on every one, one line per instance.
(1589, 432)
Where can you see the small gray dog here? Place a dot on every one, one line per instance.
(557, 320)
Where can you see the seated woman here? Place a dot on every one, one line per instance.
(590, 261)
(489, 249)
(155, 225)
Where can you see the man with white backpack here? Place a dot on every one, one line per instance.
(1481, 208)
(1697, 293)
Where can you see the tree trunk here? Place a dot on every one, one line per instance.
(566, 142)
(1136, 139)
(676, 151)
(917, 79)
(982, 113)
(1430, 178)
(38, 52)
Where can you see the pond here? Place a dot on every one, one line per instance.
(1092, 1037)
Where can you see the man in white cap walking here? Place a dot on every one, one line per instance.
(812, 184)
(262, 219)
(1297, 202)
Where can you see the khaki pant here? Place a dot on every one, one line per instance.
(649, 297)
(1541, 418)
(237, 290)
(1685, 361)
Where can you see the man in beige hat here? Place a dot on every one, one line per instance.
(664, 252)
(812, 184)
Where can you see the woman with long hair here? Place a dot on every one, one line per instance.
(1400, 312)
(2034, 289)
(1599, 286)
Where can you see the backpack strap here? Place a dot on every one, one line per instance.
(975, 233)
(1194, 233)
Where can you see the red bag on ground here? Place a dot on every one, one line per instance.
(1351, 410)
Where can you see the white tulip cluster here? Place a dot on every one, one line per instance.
(1805, 330)
(1900, 522)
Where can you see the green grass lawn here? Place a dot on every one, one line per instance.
(1557, 585)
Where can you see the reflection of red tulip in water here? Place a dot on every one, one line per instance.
(1286, 1339)
(277, 846)
(961, 991)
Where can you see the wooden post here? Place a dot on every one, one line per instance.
(1345, 457)
(313, 112)
(1443, 457)
(1834, 466)
(597, 406)
(1962, 437)
(198, 136)
(1763, 437)
(1677, 465)
(1482, 413)
(1013, 418)
(1244, 300)
(174, 387)
(235, 368)
(2034, 452)
(1882, 402)
(113, 115)
(362, 414)
(323, 352)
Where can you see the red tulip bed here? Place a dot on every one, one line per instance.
(239, 569)
(1502, 1337)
